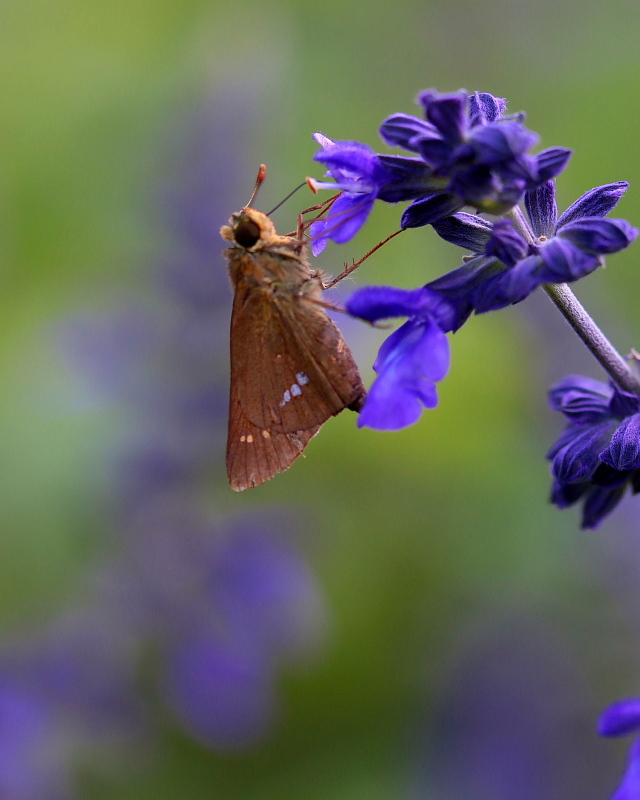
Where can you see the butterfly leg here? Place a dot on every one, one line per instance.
(354, 266)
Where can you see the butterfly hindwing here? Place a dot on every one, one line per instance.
(255, 454)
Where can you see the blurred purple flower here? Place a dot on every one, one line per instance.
(620, 719)
(210, 596)
(263, 587)
(221, 605)
(30, 768)
(221, 689)
(509, 720)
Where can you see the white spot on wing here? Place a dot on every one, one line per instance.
(294, 390)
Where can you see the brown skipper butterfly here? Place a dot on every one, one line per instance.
(290, 367)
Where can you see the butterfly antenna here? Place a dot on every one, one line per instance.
(282, 202)
(262, 171)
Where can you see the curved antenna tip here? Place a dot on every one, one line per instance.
(262, 171)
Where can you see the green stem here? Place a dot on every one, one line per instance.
(601, 348)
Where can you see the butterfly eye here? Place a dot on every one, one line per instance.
(247, 233)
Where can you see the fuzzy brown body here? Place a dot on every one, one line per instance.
(290, 367)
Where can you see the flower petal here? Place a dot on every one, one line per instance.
(596, 236)
(405, 130)
(408, 178)
(508, 287)
(348, 214)
(483, 188)
(390, 407)
(501, 141)
(542, 209)
(620, 718)
(552, 161)
(563, 262)
(459, 287)
(623, 404)
(446, 112)
(409, 363)
(623, 451)
(581, 399)
(595, 203)
(608, 476)
(351, 161)
(484, 107)
(599, 503)
(465, 230)
(564, 495)
(316, 234)
(506, 244)
(381, 302)
(430, 209)
(577, 459)
(629, 789)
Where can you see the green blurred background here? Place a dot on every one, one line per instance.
(422, 541)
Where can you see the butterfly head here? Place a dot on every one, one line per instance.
(248, 229)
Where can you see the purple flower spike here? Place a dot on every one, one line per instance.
(411, 360)
(597, 457)
(468, 154)
(561, 251)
